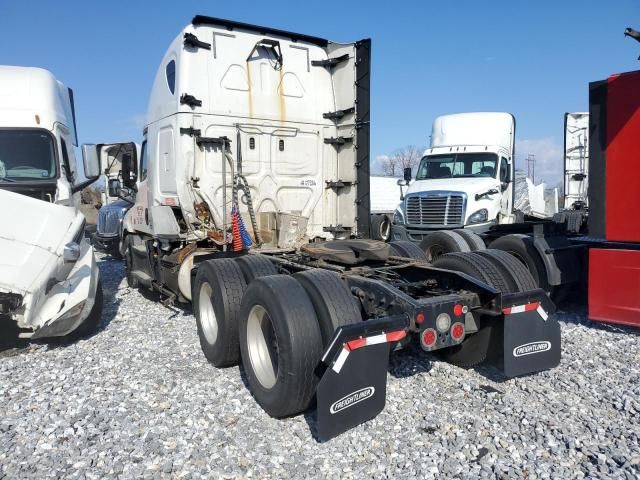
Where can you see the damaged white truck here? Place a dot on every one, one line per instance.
(253, 203)
(49, 280)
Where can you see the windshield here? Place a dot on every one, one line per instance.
(458, 165)
(26, 155)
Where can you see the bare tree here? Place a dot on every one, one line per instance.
(402, 158)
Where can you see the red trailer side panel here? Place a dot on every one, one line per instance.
(614, 286)
(623, 157)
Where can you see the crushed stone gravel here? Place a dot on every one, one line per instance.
(138, 400)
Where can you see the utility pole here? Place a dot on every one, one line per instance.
(531, 167)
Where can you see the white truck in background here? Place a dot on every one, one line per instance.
(115, 200)
(576, 160)
(385, 198)
(465, 179)
(49, 280)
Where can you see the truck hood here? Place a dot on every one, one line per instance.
(470, 185)
(32, 236)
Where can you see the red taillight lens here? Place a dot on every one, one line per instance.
(429, 337)
(419, 318)
(457, 310)
(457, 331)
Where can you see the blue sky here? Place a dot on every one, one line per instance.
(531, 58)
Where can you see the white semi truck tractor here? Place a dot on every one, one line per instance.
(49, 280)
(253, 204)
(465, 180)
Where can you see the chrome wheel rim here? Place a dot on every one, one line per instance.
(385, 230)
(208, 319)
(262, 346)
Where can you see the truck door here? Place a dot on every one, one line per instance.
(139, 212)
(348, 191)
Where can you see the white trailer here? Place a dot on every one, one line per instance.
(49, 280)
(253, 203)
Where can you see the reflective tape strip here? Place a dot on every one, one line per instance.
(363, 342)
(376, 339)
(528, 307)
(337, 366)
(542, 313)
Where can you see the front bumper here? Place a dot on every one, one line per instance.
(412, 234)
(70, 302)
(105, 242)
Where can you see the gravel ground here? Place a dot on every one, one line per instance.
(138, 399)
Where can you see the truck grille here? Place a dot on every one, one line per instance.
(109, 221)
(436, 210)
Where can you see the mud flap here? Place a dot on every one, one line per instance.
(531, 334)
(353, 374)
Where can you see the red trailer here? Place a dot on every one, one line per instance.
(614, 183)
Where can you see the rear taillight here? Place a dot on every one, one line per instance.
(457, 331)
(429, 337)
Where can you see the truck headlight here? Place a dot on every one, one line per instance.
(480, 216)
(398, 217)
(71, 252)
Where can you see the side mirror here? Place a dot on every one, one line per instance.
(114, 187)
(90, 161)
(402, 182)
(407, 175)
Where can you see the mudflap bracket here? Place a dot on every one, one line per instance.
(353, 373)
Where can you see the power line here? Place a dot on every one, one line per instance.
(531, 167)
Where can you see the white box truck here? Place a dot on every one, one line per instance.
(253, 203)
(49, 280)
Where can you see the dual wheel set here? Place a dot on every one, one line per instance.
(519, 246)
(277, 325)
(497, 268)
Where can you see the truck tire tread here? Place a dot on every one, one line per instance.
(522, 248)
(512, 268)
(406, 249)
(474, 241)
(227, 288)
(334, 304)
(255, 266)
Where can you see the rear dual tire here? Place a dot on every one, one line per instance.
(477, 347)
(281, 344)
